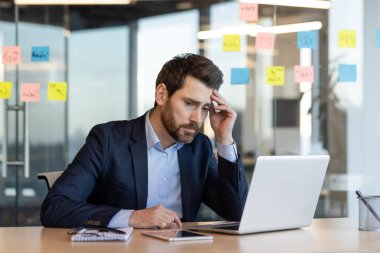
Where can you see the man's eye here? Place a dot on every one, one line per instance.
(205, 109)
(188, 103)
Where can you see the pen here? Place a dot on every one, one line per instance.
(361, 197)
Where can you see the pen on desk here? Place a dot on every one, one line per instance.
(362, 198)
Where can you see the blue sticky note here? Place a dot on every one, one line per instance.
(307, 39)
(239, 75)
(40, 54)
(378, 38)
(347, 72)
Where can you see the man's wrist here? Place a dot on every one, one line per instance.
(225, 140)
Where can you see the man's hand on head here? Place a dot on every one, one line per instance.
(223, 120)
(156, 216)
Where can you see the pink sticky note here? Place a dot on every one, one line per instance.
(249, 12)
(30, 92)
(11, 55)
(303, 74)
(265, 41)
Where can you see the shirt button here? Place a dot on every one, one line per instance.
(164, 154)
(164, 179)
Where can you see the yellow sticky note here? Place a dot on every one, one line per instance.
(275, 75)
(5, 90)
(231, 43)
(347, 38)
(57, 91)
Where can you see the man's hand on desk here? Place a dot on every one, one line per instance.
(157, 216)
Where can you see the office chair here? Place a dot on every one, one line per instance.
(49, 177)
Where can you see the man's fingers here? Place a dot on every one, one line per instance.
(178, 222)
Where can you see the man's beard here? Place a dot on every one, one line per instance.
(169, 123)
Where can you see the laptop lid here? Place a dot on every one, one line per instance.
(283, 194)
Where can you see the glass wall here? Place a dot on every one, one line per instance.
(110, 57)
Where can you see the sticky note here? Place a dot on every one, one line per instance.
(303, 74)
(378, 38)
(30, 92)
(347, 73)
(347, 38)
(11, 55)
(5, 90)
(265, 41)
(275, 75)
(239, 75)
(231, 43)
(307, 39)
(249, 12)
(57, 91)
(40, 54)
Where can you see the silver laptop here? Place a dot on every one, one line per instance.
(283, 194)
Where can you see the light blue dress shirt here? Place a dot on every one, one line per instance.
(164, 184)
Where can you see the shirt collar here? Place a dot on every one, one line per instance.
(152, 138)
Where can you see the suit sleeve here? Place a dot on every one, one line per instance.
(66, 203)
(226, 187)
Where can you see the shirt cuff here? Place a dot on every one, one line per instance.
(228, 152)
(120, 219)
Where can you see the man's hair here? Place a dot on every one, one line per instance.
(174, 72)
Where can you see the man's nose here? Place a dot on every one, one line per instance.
(196, 116)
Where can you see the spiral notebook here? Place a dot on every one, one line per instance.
(93, 235)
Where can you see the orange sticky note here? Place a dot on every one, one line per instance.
(249, 12)
(347, 38)
(57, 91)
(231, 43)
(265, 41)
(275, 75)
(5, 90)
(30, 92)
(303, 74)
(11, 55)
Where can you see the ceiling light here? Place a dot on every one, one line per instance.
(253, 29)
(317, 4)
(71, 2)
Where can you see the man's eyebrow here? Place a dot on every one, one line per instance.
(196, 102)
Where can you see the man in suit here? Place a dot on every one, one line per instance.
(155, 170)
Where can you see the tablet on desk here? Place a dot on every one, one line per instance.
(176, 235)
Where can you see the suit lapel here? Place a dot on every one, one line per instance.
(185, 156)
(140, 161)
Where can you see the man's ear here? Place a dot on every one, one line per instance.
(161, 94)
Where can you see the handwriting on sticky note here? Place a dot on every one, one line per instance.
(5, 90)
(57, 91)
(40, 54)
(275, 75)
(30, 92)
(265, 41)
(239, 75)
(249, 12)
(231, 42)
(347, 38)
(347, 73)
(307, 39)
(11, 55)
(303, 74)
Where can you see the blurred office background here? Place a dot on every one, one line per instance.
(110, 55)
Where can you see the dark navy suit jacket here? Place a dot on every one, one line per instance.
(110, 173)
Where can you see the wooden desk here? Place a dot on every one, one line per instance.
(325, 235)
